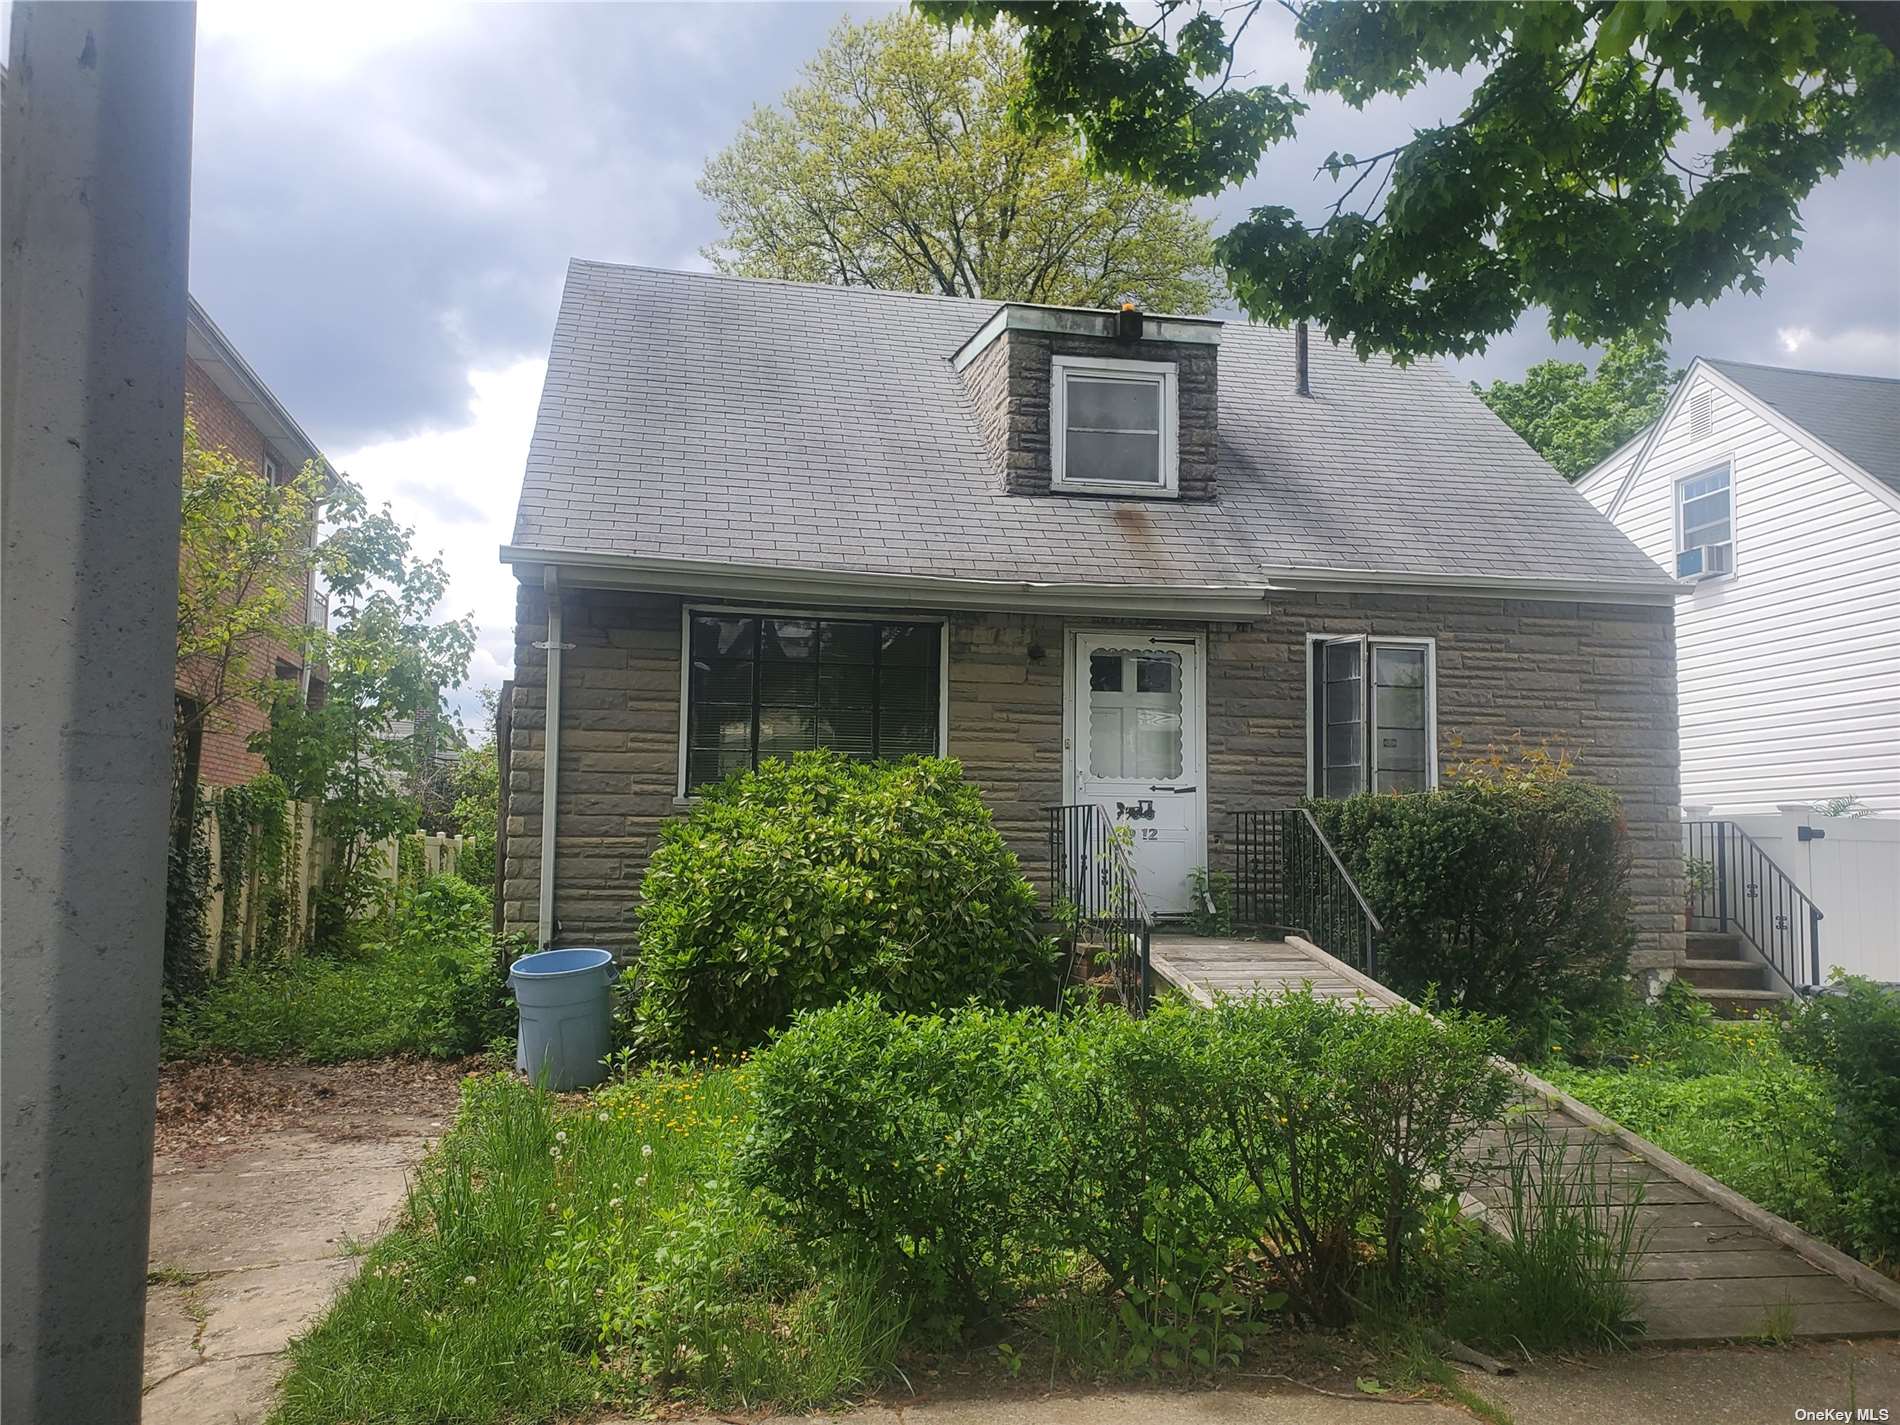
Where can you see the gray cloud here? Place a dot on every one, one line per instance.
(369, 230)
(370, 225)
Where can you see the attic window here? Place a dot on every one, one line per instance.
(1112, 426)
(1705, 526)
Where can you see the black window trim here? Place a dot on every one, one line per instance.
(763, 611)
(1368, 641)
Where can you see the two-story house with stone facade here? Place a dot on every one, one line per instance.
(1169, 566)
(234, 410)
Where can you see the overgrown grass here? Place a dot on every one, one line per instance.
(1724, 1096)
(561, 1256)
(424, 983)
(1556, 1272)
(552, 1259)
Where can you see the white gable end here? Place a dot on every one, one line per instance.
(1789, 668)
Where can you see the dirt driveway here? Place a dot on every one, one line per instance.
(265, 1178)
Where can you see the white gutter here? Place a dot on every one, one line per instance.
(550, 754)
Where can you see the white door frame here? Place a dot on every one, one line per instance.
(1194, 734)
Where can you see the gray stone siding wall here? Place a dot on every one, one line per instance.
(620, 691)
(1009, 388)
(1596, 681)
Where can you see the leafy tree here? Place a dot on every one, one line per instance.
(245, 551)
(1561, 185)
(1574, 419)
(896, 165)
(388, 664)
(477, 790)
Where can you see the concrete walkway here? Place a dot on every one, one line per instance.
(1731, 1385)
(249, 1248)
(1718, 1267)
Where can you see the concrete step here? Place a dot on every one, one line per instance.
(1741, 1004)
(1723, 974)
(1714, 945)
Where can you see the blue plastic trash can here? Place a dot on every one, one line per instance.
(566, 1015)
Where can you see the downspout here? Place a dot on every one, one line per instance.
(550, 755)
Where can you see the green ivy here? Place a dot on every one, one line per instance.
(254, 833)
(187, 888)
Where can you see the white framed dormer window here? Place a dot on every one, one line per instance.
(1112, 426)
(1705, 525)
(1372, 715)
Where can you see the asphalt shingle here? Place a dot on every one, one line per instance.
(691, 415)
(1857, 415)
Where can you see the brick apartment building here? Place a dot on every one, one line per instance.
(232, 408)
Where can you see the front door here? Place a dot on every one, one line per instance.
(1136, 744)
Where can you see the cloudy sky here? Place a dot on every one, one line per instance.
(385, 197)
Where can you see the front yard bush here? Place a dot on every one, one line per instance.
(909, 1135)
(1851, 1035)
(1262, 1153)
(1508, 894)
(807, 882)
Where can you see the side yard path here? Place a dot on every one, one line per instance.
(1717, 1267)
(266, 1177)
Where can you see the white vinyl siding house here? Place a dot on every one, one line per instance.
(1789, 657)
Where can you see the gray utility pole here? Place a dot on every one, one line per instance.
(95, 198)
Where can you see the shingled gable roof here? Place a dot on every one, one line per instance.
(718, 423)
(1858, 416)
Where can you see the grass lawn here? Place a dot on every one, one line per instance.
(426, 983)
(1724, 1096)
(555, 1256)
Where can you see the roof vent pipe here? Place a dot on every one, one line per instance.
(1302, 383)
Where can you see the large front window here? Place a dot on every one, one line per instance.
(763, 686)
(1372, 716)
(1112, 425)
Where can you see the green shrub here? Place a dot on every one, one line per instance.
(430, 985)
(906, 1136)
(1310, 1132)
(1851, 1036)
(810, 881)
(1211, 1164)
(1508, 894)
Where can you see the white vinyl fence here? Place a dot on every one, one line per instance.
(1849, 866)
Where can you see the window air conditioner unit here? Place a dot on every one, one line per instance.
(1705, 561)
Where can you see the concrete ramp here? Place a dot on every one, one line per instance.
(1717, 1266)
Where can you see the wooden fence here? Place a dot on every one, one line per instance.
(250, 916)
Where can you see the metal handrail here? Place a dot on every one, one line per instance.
(1748, 893)
(1286, 874)
(1092, 877)
(1344, 874)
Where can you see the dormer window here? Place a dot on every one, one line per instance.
(1112, 426)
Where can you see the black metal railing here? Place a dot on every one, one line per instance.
(1287, 875)
(1736, 887)
(1098, 900)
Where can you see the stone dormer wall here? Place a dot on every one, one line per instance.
(1007, 372)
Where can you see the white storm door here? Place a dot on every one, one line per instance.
(1138, 739)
